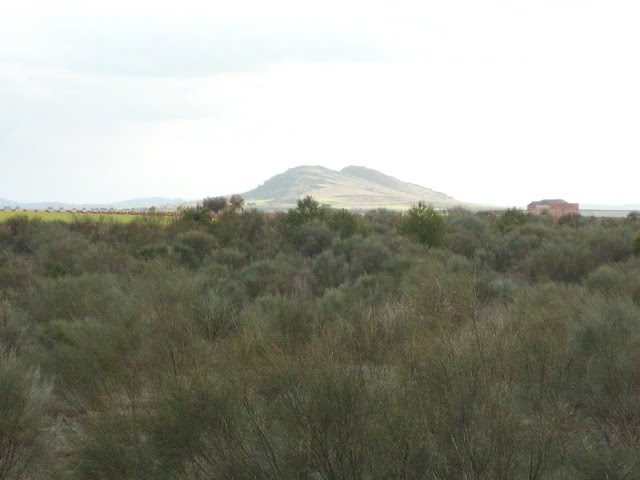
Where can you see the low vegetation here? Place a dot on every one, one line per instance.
(320, 344)
(60, 216)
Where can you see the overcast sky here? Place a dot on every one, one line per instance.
(489, 101)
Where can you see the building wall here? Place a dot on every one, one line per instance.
(555, 209)
(606, 213)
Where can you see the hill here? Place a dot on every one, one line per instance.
(7, 203)
(352, 187)
(132, 203)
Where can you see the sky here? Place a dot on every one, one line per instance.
(490, 101)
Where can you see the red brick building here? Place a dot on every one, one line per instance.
(557, 207)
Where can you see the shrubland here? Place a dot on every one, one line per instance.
(320, 344)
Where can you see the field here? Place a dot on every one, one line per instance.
(69, 216)
(320, 344)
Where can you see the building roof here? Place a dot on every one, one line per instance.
(549, 202)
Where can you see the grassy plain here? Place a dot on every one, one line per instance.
(69, 216)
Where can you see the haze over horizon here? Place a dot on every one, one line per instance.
(487, 101)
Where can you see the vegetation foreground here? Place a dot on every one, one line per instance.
(319, 344)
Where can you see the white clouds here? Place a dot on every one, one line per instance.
(488, 101)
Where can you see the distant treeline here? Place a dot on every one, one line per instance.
(320, 344)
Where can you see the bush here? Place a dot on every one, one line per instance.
(282, 275)
(154, 250)
(342, 222)
(307, 209)
(93, 362)
(201, 243)
(571, 220)
(60, 251)
(424, 224)
(635, 245)
(195, 430)
(288, 321)
(468, 235)
(89, 295)
(23, 435)
(611, 244)
(311, 238)
(329, 270)
(196, 215)
(510, 219)
(440, 292)
(15, 330)
(563, 261)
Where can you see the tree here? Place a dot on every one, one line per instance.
(197, 214)
(237, 202)
(511, 218)
(342, 221)
(306, 210)
(215, 204)
(423, 223)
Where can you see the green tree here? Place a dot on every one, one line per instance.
(423, 223)
(572, 220)
(343, 222)
(511, 218)
(197, 214)
(215, 204)
(306, 210)
(237, 202)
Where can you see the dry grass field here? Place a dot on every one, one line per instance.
(50, 216)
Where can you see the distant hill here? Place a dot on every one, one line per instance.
(352, 187)
(133, 203)
(148, 202)
(7, 203)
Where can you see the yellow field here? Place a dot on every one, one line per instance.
(71, 217)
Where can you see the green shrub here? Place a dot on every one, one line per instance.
(94, 362)
(230, 257)
(201, 243)
(424, 224)
(510, 249)
(563, 261)
(89, 295)
(510, 219)
(16, 273)
(283, 275)
(307, 209)
(149, 252)
(195, 430)
(611, 244)
(218, 314)
(342, 222)
(311, 238)
(289, 321)
(571, 220)
(60, 251)
(110, 445)
(440, 294)
(15, 330)
(635, 245)
(329, 270)
(468, 235)
(24, 398)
